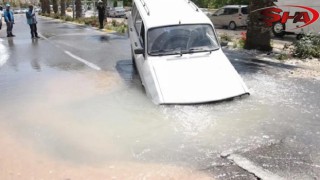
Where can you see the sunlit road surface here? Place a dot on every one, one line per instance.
(71, 107)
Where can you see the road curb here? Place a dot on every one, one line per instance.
(79, 24)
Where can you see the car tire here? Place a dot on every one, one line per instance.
(232, 25)
(278, 29)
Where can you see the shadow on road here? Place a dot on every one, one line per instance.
(126, 70)
(251, 65)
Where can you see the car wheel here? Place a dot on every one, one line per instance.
(232, 25)
(278, 29)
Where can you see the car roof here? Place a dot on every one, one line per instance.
(158, 13)
(235, 6)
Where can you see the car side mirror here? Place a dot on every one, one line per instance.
(139, 51)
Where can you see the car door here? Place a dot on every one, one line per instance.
(234, 15)
(137, 36)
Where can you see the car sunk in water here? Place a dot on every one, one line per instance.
(178, 56)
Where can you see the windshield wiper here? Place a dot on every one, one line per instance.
(166, 52)
(202, 49)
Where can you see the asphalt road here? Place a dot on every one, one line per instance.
(72, 107)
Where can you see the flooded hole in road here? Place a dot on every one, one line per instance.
(103, 120)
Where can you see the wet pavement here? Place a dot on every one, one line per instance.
(72, 107)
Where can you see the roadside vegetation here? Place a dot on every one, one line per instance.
(119, 27)
(307, 47)
(304, 48)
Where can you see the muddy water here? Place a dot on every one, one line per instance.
(78, 123)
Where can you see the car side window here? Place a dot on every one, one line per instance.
(233, 11)
(138, 23)
(244, 10)
(142, 35)
(134, 11)
(219, 12)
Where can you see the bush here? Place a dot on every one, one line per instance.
(114, 23)
(240, 42)
(225, 37)
(68, 18)
(118, 27)
(122, 28)
(56, 16)
(286, 52)
(307, 47)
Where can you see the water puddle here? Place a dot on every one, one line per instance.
(4, 54)
(64, 120)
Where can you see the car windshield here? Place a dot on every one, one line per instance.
(181, 39)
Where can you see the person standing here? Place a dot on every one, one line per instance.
(1, 13)
(9, 19)
(32, 21)
(101, 13)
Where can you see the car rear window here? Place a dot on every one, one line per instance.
(244, 10)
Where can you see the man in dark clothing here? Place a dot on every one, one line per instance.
(101, 12)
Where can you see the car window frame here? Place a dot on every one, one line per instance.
(147, 35)
(246, 10)
(216, 13)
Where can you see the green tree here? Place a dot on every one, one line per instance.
(258, 33)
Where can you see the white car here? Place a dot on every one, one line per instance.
(178, 56)
(116, 12)
(231, 16)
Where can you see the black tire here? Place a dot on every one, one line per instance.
(232, 25)
(278, 29)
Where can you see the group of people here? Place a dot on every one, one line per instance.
(32, 21)
(9, 19)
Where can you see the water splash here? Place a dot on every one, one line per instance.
(4, 54)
